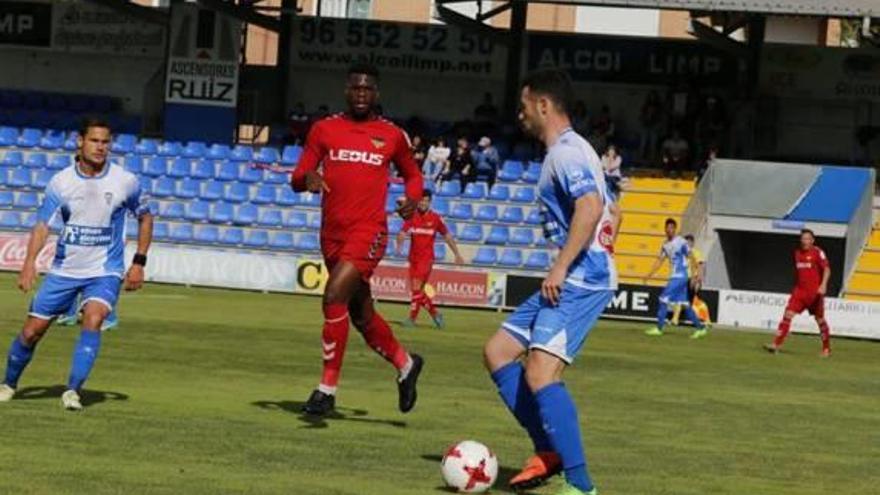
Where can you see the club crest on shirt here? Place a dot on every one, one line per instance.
(108, 198)
(378, 142)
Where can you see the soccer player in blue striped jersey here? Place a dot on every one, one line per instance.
(677, 250)
(528, 355)
(92, 196)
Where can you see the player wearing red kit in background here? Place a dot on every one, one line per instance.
(812, 272)
(423, 226)
(354, 151)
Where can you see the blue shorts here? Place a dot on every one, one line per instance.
(676, 292)
(559, 330)
(58, 293)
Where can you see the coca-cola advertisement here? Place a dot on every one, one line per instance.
(13, 251)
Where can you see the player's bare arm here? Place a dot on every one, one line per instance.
(587, 212)
(134, 279)
(617, 220)
(27, 278)
(450, 241)
(657, 264)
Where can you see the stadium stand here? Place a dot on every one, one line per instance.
(865, 282)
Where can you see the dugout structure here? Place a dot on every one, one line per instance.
(747, 217)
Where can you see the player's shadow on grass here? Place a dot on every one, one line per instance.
(501, 484)
(87, 397)
(340, 414)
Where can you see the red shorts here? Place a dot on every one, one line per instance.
(364, 251)
(420, 269)
(810, 301)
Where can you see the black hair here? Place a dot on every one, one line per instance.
(364, 68)
(670, 221)
(427, 193)
(689, 238)
(554, 84)
(808, 231)
(89, 122)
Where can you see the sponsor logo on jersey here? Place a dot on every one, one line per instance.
(79, 235)
(606, 236)
(378, 142)
(804, 265)
(355, 156)
(108, 198)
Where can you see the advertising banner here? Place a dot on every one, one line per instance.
(631, 60)
(25, 24)
(809, 72)
(763, 310)
(423, 50)
(85, 27)
(13, 250)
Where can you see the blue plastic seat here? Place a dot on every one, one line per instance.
(222, 213)
(170, 149)
(187, 189)
(256, 239)
(182, 232)
(218, 152)
(471, 233)
(270, 218)
(198, 211)
(512, 214)
(13, 159)
(486, 256)
(524, 195)
(439, 252)
(498, 235)
(475, 190)
(462, 211)
(267, 156)
(204, 169)
(19, 177)
(8, 136)
(173, 211)
(213, 190)
(394, 225)
(287, 197)
(441, 206)
(309, 199)
(36, 160)
(277, 177)
(246, 214)
(228, 171)
(538, 260)
(314, 221)
(511, 171)
(534, 217)
(28, 220)
(7, 198)
(450, 189)
(10, 220)
(52, 140)
(29, 138)
(487, 213)
(242, 153)
(147, 147)
(4, 175)
(290, 155)
(123, 144)
(59, 162)
(207, 234)
(281, 240)
(250, 174)
(532, 173)
(306, 242)
(511, 257)
(296, 220)
(164, 187)
(156, 166)
(522, 237)
(180, 168)
(232, 237)
(134, 164)
(160, 231)
(500, 192)
(146, 184)
(238, 192)
(266, 195)
(390, 204)
(195, 149)
(396, 188)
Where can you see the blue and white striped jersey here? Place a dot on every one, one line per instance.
(677, 251)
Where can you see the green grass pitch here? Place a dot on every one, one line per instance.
(197, 392)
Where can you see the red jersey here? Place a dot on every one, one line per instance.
(424, 227)
(810, 264)
(355, 159)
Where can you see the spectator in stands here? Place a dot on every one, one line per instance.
(611, 162)
(603, 129)
(486, 111)
(436, 160)
(419, 151)
(459, 164)
(580, 120)
(486, 161)
(707, 162)
(297, 124)
(651, 119)
(676, 151)
(711, 125)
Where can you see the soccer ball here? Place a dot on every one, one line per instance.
(469, 467)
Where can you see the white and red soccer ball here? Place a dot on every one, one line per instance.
(469, 467)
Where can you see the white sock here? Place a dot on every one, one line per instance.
(406, 369)
(326, 389)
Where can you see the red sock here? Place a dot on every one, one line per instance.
(429, 305)
(334, 338)
(825, 332)
(415, 304)
(782, 332)
(380, 338)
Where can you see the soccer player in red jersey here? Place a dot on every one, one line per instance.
(423, 226)
(355, 150)
(812, 274)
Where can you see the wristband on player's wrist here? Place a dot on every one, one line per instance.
(139, 259)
